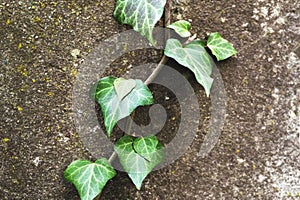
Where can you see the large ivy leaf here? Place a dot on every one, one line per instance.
(89, 178)
(139, 156)
(181, 27)
(194, 57)
(115, 107)
(220, 47)
(142, 15)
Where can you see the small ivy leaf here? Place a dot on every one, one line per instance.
(220, 47)
(181, 27)
(142, 15)
(114, 109)
(131, 154)
(123, 87)
(194, 57)
(89, 178)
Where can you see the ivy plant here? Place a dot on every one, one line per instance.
(139, 156)
(119, 97)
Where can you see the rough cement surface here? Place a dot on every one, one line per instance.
(257, 156)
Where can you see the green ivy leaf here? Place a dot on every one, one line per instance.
(181, 27)
(139, 156)
(123, 87)
(220, 47)
(116, 106)
(194, 57)
(142, 15)
(146, 146)
(89, 178)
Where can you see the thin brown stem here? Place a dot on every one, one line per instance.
(190, 39)
(127, 130)
(164, 59)
(168, 13)
(112, 157)
(167, 20)
(156, 70)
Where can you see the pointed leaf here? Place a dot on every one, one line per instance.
(220, 47)
(194, 57)
(112, 107)
(124, 87)
(142, 15)
(131, 154)
(89, 178)
(181, 27)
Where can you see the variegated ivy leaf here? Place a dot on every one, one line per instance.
(89, 178)
(146, 146)
(220, 47)
(181, 27)
(142, 15)
(139, 156)
(124, 87)
(116, 106)
(194, 57)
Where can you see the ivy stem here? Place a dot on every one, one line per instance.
(112, 157)
(147, 82)
(190, 39)
(156, 70)
(167, 20)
